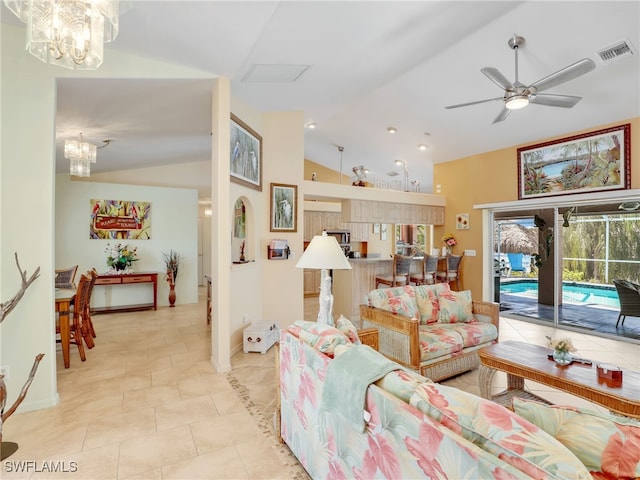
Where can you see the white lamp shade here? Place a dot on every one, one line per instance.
(323, 253)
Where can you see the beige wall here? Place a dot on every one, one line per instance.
(267, 290)
(324, 174)
(27, 159)
(493, 177)
(173, 227)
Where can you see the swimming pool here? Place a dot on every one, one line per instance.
(582, 293)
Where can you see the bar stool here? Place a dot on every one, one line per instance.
(428, 273)
(453, 273)
(400, 271)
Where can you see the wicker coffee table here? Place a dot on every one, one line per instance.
(522, 361)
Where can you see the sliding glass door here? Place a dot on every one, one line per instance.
(557, 264)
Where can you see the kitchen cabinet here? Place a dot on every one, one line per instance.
(315, 222)
(359, 231)
(369, 211)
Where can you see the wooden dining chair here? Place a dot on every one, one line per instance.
(93, 275)
(427, 275)
(400, 271)
(453, 273)
(78, 332)
(65, 277)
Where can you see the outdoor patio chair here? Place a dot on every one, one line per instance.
(515, 259)
(629, 295)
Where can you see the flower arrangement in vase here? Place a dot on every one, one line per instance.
(120, 257)
(172, 264)
(449, 241)
(562, 350)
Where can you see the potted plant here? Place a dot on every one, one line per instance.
(120, 257)
(172, 263)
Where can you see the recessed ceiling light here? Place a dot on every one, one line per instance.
(392, 130)
(311, 125)
(422, 146)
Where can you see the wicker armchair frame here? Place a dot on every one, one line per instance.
(398, 339)
(629, 295)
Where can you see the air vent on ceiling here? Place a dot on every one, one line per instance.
(617, 50)
(262, 73)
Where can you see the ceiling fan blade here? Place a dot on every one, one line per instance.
(564, 101)
(502, 115)
(568, 73)
(474, 103)
(496, 77)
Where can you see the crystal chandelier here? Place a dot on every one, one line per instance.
(81, 155)
(68, 33)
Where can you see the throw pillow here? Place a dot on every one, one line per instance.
(499, 431)
(320, 336)
(455, 307)
(427, 301)
(604, 443)
(400, 300)
(345, 326)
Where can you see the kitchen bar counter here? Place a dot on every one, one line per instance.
(369, 259)
(350, 287)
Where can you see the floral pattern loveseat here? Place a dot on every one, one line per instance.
(405, 426)
(431, 328)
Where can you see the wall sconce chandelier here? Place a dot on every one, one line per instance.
(68, 33)
(81, 155)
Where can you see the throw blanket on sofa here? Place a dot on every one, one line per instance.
(347, 380)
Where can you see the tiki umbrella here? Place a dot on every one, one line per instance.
(514, 238)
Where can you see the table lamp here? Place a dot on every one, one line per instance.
(324, 254)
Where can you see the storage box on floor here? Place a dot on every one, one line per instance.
(260, 337)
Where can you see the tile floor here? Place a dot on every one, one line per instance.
(147, 404)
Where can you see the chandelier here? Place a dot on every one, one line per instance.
(68, 33)
(80, 155)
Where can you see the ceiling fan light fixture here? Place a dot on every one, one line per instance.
(516, 102)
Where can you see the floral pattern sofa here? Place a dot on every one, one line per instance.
(406, 426)
(431, 328)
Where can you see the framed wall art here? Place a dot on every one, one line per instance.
(246, 155)
(120, 219)
(284, 202)
(462, 221)
(590, 162)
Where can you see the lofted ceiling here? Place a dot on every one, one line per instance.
(371, 65)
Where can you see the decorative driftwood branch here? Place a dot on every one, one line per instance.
(9, 305)
(23, 392)
(5, 309)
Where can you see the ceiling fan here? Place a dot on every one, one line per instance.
(517, 95)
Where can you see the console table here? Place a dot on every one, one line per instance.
(105, 279)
